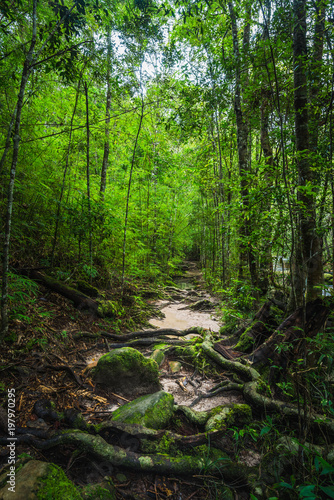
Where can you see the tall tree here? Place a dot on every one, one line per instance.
(105, 160)
(246, 250)
(309, 262)
(27, 68)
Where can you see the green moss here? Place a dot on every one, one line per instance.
(158, 356)
(195, 417)
(166, 445)
(240, 414)
(87, 289)
(223, 417)
(56, 486)
(104, 491)
(109, 308)
(127, 358)
(145, 461)
(226, 330)
(246, 342)
(153, 411)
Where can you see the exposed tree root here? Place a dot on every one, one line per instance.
(149, 342)
(229, 387)
(140, 432)
(161, 332)
(262, 403)
(161, 464)
(244, 371)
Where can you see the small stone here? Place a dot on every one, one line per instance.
(175, 366)
(121, 478)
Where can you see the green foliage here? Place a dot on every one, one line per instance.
(21, 294)
(321, 483)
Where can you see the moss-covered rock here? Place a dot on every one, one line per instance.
(38, 480)
(127, 371)
(153, 411)
(189, 352)
(223, 417)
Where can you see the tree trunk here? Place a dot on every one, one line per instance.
(64, 176)
(16, 146)
(7, 144)
(79, 299)
(105, 161)
(311, 257)
(129, 186)
(88, 184)
(246, 252)
(297, 326)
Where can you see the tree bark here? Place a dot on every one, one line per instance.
(105, 161)
(16, 146)
(297, 326)
(310, 273)
(246, 251)
(79, 299)
(64, 176)
(90, 236)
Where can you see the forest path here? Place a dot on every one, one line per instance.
(179, 311)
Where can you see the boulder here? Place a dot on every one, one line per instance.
(37, 480)
(126, 371)
(153, 411)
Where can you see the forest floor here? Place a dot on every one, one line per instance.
(44, 360)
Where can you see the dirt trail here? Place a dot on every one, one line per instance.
(179, 318)
(177, 314)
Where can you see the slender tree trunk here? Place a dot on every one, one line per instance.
(310, 242)
(8, 140)
(16, 146)
(55, 236)
(88, 181)
(105, 161)
(246, 253)
(315, 69)
(129, 186)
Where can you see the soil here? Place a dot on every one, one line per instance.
(176, 316)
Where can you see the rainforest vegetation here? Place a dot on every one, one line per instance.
(137, 135)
